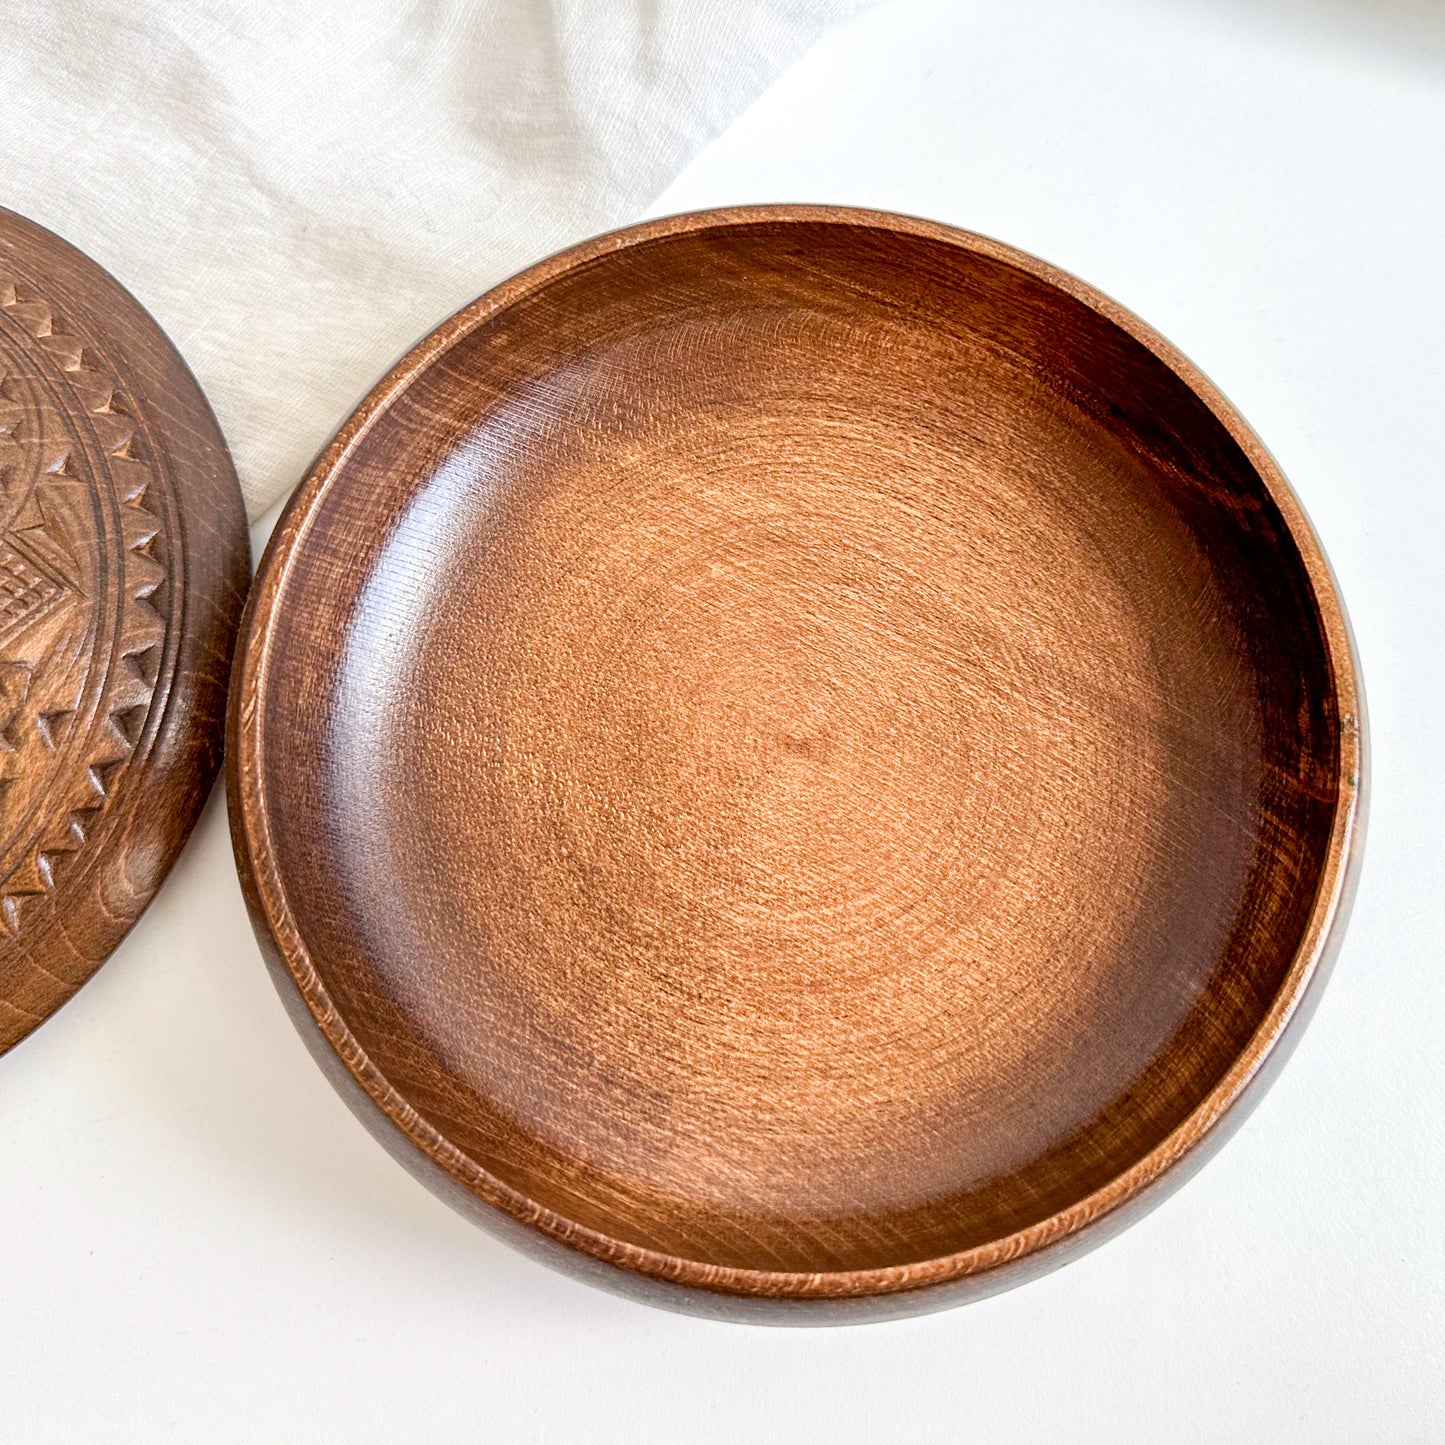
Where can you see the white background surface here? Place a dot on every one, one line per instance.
(201, 1243)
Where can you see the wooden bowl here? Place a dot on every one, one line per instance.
(797, 761)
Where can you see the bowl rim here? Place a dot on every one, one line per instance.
(278, 931)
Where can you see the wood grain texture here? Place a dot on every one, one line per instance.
(804, 757)
(123, 568)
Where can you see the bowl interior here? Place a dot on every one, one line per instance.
(800, 747)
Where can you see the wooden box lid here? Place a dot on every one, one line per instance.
(123, 567)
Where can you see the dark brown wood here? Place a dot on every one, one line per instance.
(123, 567)
(798, 761)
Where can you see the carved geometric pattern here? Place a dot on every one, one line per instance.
(28, 588)
(84, 604)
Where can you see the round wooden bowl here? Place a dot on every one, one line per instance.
(798, 761)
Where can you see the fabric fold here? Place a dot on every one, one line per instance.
(298, 192)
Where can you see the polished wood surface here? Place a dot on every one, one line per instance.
(801, 756)
(123, 569)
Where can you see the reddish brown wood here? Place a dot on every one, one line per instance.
(123, 566)
(796, 759)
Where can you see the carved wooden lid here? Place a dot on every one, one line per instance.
(123, 568)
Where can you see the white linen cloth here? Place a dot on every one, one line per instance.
(298, 189)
